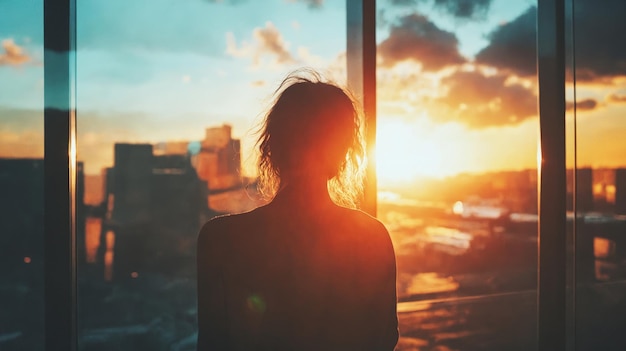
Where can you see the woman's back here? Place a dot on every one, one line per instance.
(300, 273)
(288, 278)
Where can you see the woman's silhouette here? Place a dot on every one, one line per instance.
(300, 273)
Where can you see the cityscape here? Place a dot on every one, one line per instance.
(137, 223)
(169, 95)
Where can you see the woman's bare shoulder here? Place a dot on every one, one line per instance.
(373, 240)
(363, 218)
(365, 224)
(219, 228)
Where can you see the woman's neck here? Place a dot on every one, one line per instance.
(305, 190)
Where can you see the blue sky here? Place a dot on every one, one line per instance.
(156, 70)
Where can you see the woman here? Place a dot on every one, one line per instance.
(300, 273)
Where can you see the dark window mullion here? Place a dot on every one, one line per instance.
(361, 62)
(552, 188)
(59, 180)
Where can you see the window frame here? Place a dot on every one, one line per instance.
(60, 320)
(552, 247)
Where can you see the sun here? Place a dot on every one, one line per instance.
(403, 152)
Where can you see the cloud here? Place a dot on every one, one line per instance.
(416, 38)
(599, 53)
(271, 41)
(268, 41)
(582, 105)
(313, 4)
(463, 9)
(600, 49)
(513, 45)
(616, 98)
(13, 54)
(481, 101)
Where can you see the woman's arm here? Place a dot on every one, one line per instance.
(212, 316)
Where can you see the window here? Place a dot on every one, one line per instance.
(457, 169)
(132, 135)
(21, 176)
(168, 97)
(596, 186)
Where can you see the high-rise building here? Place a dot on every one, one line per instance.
(171, 148)
(219, 160)
(131, 189)
(620, 191)
(583, 192)
(155, 208)
(584, 189)
(22, 209)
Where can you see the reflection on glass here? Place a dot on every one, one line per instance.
(21, 176)
(597, 173)
(456, 157)
(168, 95)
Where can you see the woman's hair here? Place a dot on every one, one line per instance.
(312, 127)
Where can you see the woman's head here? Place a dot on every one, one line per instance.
(312, 130)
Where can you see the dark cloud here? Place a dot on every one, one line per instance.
(417, 38)
(600, 46)
(600, 50)
(403, 2)
(12, 54)
(313, 4)
(616, 98)
(582, 105)
(463, 9)
(480, 101)
(513, 45)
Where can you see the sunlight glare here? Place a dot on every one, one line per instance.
(402, 154)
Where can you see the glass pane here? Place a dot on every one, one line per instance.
(169, 94)
(457, 169)
(21, 175)
(597, 173)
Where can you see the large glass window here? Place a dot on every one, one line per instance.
(457, 139)
(21, 176)
(596, 196)
(169, 95)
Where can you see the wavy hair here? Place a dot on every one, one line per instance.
(312, 126)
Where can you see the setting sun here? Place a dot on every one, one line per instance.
(403, 153)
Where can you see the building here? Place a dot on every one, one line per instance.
(155, 206)
(620, 191)
(583, 191)
(171, 148)
(22, 209)
(219, 161)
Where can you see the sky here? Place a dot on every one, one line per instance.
(457, 87)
